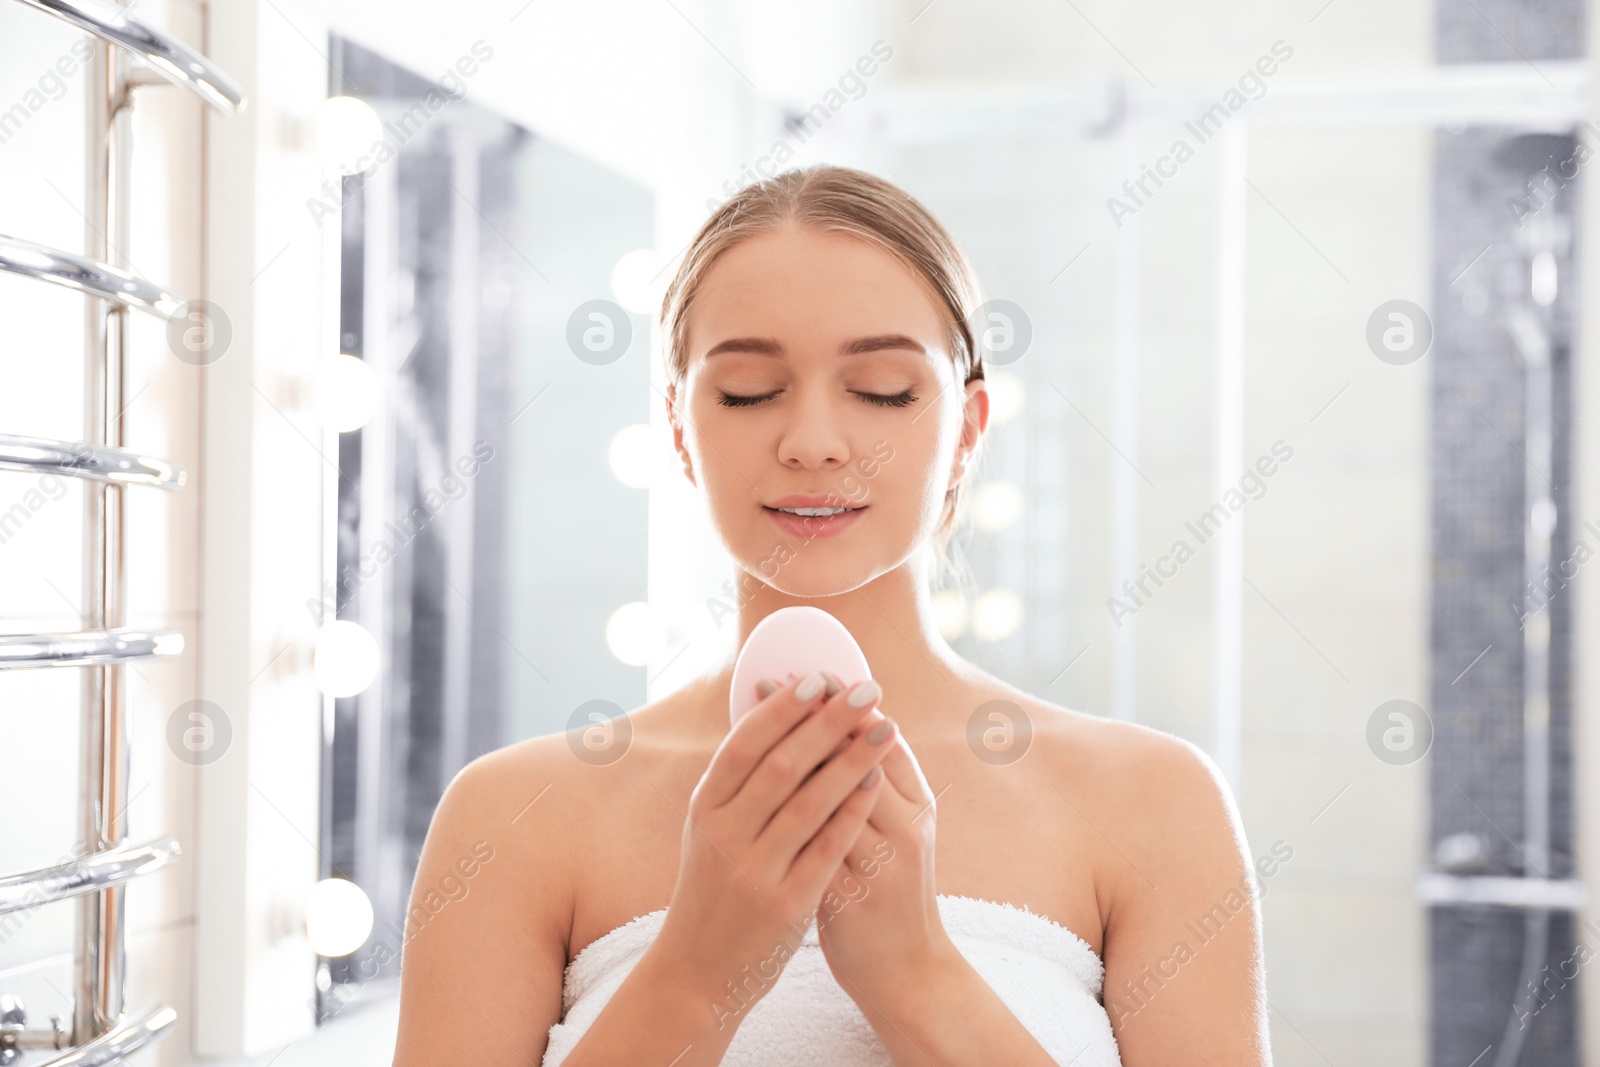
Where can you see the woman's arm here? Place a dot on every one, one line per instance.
(947, 1013)
(1185, 975)
(485, 940)
(770, 819)
(485, 951)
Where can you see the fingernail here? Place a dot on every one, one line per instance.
(879, 732)
(872, 776)
(809, 686)
(834, 684)
(766, 687)
(864, 694)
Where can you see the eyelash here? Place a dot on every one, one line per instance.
(899, 400)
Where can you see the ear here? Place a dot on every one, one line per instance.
(975, 420)
(675, 417)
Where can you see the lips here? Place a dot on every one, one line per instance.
(809, 528)
(813, 500)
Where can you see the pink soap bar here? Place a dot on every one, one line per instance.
(786, 646)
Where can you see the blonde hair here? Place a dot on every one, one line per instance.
(849, 201)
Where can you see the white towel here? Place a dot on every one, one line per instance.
(1048, 976)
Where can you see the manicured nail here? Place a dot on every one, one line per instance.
(865, 693)
(834, 684)
(880, 732)
(872, 776)
(809, 686)
(766, 687)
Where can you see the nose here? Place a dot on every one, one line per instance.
(814, 437)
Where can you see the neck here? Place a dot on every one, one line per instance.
(891, 618)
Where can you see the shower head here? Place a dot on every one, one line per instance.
(1541, 164)
(1531, 152)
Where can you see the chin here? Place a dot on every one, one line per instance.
(817, 589)
(819, 570)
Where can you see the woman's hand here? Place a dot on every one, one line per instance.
(763, 837)
(878, 920)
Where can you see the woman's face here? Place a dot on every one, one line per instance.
(817, 366)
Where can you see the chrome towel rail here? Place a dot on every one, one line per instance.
(174, 61)
(77, 460)
(85, 275)
(111, 1047)
(99, 1026)
(90, 874)
(86, 647)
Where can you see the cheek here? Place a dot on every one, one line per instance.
(720, 443)
(903, 471)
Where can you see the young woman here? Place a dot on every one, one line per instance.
(933, 867)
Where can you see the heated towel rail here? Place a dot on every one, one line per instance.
(125, 53)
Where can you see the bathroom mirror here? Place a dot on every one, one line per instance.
(462, 259)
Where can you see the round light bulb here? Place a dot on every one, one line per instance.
(348, 134)
(996, 615)
(346, 658)
(1006, 395)
(345, 392)
(338, 917)
(949, 613)
(1542, 285)
(636, 634)
(630, 456)
(997, 505)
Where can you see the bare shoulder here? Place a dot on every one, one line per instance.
(542, 796)
(490, 914)
(1183, 940)
(513, 795)
(483, 958)
(1124, 761)
(1139, 764)
(1158, 802)
(509, 807)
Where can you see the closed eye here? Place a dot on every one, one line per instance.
(898, 400)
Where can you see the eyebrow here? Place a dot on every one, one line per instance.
(767, 346)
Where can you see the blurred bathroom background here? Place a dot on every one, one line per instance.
(1294, 454)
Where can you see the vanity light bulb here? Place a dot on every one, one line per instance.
(345, 392)
(338, 917)
(346, 658)
(1542, 286)
(631, 456)
(997, 505)
(635, 634)
(997, 614)
(348, 131)
(949, 613)
(1006, 395)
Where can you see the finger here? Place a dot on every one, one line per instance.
(789, 764)
(835, 686)
(905, 774)
(798, 818)
(752, 738)
(826, 850)
(871, 850)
